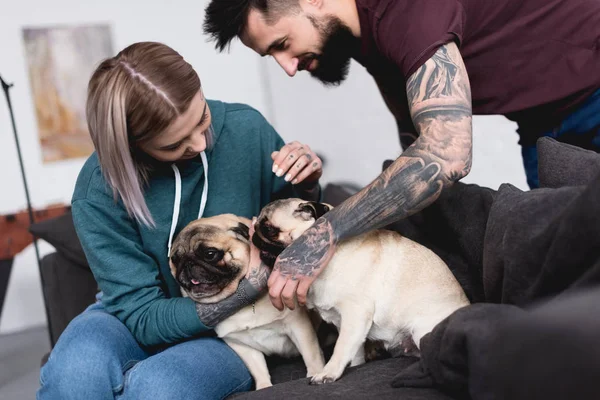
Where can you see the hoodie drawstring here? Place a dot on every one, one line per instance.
(177, 202)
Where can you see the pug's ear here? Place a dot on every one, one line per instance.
(241, 230)
(313, 209)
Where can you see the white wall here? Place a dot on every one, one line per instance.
(349, 125)
(233, 77)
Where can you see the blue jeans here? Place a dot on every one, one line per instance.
(97, 357)
(581, 128)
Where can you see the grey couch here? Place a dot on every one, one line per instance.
(460, 227)
(70, 287)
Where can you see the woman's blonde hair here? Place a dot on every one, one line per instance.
(132, 98)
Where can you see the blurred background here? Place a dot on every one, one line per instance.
(49, 47)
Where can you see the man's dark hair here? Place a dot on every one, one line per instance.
(226, 19)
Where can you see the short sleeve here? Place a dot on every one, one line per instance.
(409, 32)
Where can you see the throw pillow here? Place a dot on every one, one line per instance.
(60, 233)
(562, 164)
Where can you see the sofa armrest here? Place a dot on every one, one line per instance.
(69, 289)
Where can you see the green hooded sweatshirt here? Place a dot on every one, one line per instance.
(129, 260)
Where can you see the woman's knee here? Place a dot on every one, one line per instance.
(200, 369)
(89, 358)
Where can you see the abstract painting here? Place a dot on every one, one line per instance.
(60, 63)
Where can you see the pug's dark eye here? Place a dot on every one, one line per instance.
(269, 231)
(211, 254)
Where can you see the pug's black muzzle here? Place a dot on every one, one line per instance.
(201, 277)
(269, 248)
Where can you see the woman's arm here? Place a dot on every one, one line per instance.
(128, 277)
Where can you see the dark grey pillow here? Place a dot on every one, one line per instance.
(60, 233)
(562, 164)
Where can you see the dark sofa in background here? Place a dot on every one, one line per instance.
(495, 243)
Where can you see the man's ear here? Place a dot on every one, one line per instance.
(311, 4)
(315, 209)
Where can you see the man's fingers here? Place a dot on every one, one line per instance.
(302, 291)
(289, 293)
(273, 278)
(275, 292)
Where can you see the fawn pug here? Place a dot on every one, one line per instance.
(209, 258)
(378, 286)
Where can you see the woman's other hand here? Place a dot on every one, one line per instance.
(297, 163)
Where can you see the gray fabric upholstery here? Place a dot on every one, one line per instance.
(368, 381)
(561, 164)
(69, 289)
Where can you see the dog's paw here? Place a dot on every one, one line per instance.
(322, 378)
(310, 374)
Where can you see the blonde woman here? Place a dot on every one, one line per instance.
(165, 155)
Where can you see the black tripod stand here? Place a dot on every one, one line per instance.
(6, 87)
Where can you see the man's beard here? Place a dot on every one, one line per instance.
(336, 52)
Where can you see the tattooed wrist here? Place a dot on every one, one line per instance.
(310, 251)
(211, 314)
(259, 277)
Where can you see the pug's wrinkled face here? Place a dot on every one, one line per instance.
(210, 256)
(281, 222)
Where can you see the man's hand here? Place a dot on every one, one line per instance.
(299, 265)
(439, 99)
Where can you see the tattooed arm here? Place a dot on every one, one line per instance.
(440, 104)
(248, 291)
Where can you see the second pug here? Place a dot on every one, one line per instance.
(209, 257)
(379, 285)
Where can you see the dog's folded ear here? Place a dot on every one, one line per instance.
(313, 208)
(241, 230)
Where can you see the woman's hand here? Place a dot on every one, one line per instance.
(298, 163)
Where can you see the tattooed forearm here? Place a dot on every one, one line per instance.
(440, 104)
(319, 252)
(249, 289)
(258, 277)
(212, 314)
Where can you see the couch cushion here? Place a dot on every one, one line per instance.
(368, 381)
(336, 193)
(60, 233)
(562, 164)
(68, 289)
